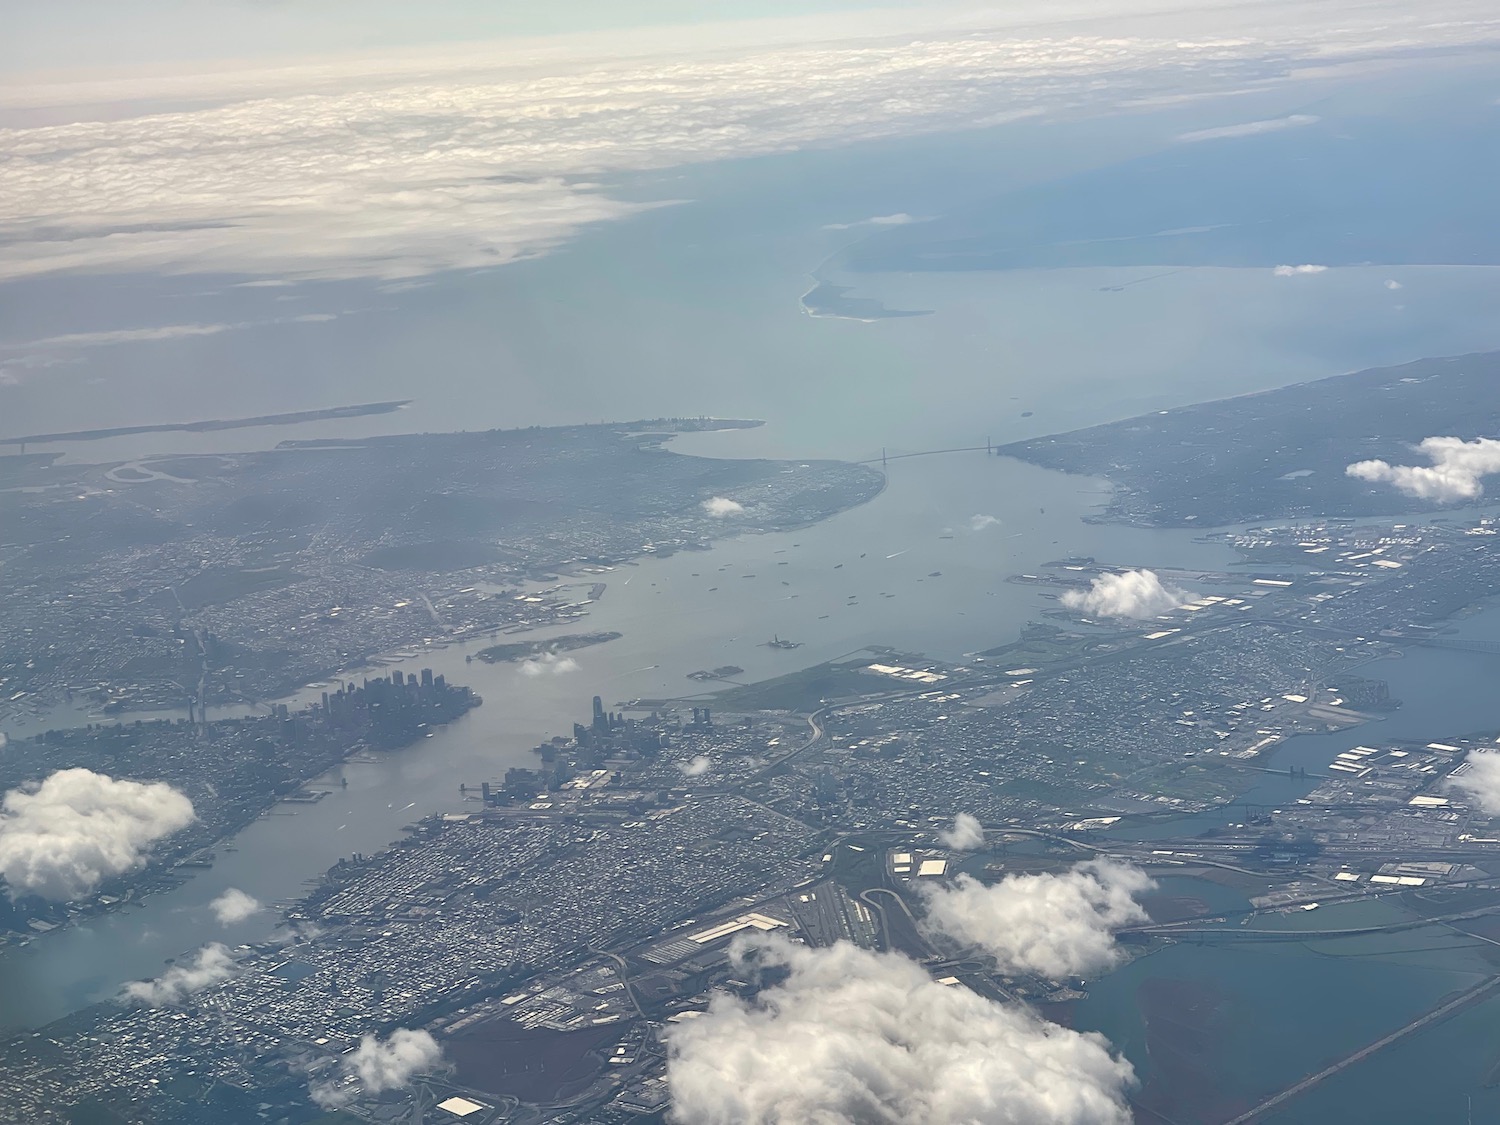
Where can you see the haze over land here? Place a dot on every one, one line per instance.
(1014, 673)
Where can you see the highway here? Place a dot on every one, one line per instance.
(915, 945)
(815, 736)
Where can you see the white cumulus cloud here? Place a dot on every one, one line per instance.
(1393, 284)
(721, 507)
(1297, 271)
(1479, 779)
(1131, 593)
(1054, 925)
(234, 905)
(697, 766)
(983, 522)
(851, 1037)
(1250, 128)
(548, 664)
(212, 964)
(965, 835)
(64, 837)
(1455, 473)
(377, 1065)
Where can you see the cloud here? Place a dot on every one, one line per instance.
(125, 336)
(1479, 778)
(965, 835)
(62, 838)
(851, 1037)
(1296, 271)
(981, 523)
(74, 341)
(1394, 285)
(1249, 128)
(234, 905)
(697, 767)
(900, 219)
(721, 507)
(377, 1066)
(212, 964)
(13, 374)
(1131, 593)
(1053, 925)
(357, 167)
(1455, 473)
(548, 664)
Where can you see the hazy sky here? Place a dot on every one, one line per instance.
(112, 35)
(59, 34)
(378, 155)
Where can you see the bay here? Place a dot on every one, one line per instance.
(695, 309)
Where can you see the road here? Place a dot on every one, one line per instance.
(623, 970)
(815, 736)
(910, 942)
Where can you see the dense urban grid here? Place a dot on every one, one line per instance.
(548, 953)
(218, 579)
(551, 938)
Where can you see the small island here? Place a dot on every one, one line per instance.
(527, 650)
(723, 672)
(209, 425)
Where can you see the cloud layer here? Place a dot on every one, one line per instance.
(965, 835)
(234, 905)
(1131, 593)
(64, 837)
(379, 1065)
(1052, 925)
(212, 964)
(851, 1037)
(1480, 780)
(349, 168)
(1455, 473)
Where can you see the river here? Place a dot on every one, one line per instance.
(678, 614)
(715, 285)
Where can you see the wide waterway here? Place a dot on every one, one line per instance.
(695, 309)
(700, 610)
(1344, 993)
(690, 611)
